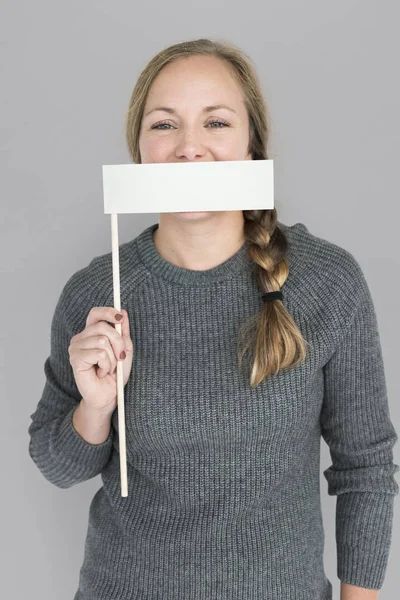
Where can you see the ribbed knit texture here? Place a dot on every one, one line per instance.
(224, 480)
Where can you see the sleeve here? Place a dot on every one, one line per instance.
(61, 454)
(356, 425)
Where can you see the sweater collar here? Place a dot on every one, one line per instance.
(236, 265)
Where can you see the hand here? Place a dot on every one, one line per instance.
(93, 356)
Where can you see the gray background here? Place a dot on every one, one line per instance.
(328, 71)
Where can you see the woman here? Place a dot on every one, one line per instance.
(223, 454)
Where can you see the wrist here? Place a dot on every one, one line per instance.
(92, 425)
(105, 412)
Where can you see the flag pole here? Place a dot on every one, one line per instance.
(120, 375)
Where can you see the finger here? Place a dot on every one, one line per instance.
(100, 341)
(102, 313)
(85, 359)
(100, 328)
(125, 332)
(116, 340)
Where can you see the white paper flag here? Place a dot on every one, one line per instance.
(191, 186)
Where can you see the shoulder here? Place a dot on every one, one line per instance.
(328, 275)
(309, 252)
(92, 285)
(309, 249)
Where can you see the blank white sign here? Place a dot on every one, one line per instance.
(190, 186)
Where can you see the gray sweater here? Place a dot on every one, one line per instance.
(224, 480)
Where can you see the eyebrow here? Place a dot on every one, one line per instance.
(206, 109)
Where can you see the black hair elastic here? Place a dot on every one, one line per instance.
(272, 296)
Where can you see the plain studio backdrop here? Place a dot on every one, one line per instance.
(328, 72)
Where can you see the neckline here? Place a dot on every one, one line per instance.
(239, 263)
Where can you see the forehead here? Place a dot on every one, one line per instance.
(195, 75)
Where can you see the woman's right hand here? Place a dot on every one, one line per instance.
(93, 355)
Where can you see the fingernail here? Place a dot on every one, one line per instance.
(122, 355)
(119, 317)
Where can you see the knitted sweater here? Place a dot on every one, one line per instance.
(224, 480)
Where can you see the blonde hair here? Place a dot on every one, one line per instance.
(271, 335)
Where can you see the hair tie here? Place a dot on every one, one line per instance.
(272, 296)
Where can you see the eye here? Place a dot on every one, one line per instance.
(220, 122)
(224, 123)
(159, 125)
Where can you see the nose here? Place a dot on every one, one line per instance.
(190, 146)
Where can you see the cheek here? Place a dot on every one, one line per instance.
(154, 148)
(232, 145)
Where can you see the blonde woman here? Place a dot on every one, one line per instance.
(244, 341)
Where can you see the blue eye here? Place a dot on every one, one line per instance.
(224, 123)
(159, 125)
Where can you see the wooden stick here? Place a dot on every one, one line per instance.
(120, 374)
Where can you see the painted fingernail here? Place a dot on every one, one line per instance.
(122, 355)
(119, 317)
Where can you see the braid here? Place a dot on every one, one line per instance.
(267, 247)
(271, 335)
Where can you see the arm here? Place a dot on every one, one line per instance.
(355, 423)
(352, 592)
(60, 438)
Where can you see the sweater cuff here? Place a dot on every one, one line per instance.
(363, 537)
(77, 451)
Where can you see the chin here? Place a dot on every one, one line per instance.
(194, 214)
